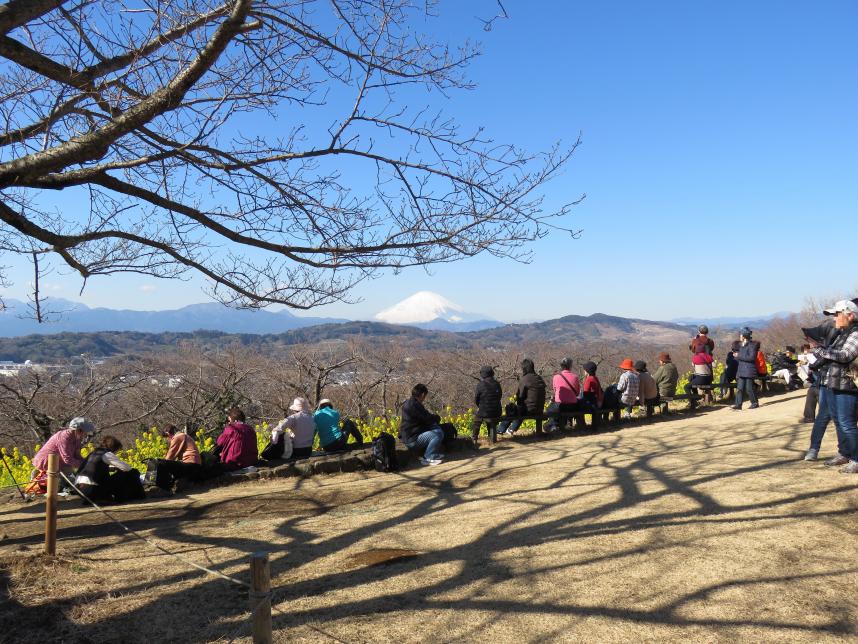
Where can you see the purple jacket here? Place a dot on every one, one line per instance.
(238, 443)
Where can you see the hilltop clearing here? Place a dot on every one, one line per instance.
(697, 528)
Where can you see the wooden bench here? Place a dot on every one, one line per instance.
(578, 417)
(663, 403)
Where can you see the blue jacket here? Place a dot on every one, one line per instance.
(328, 425)
(747, 357)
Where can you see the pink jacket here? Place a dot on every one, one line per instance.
(238, 441)
(563, 393)
(65, 443)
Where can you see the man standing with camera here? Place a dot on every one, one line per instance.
(841, 392)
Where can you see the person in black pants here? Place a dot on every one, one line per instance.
(747, 370)
(95, 482)
(487, 398)
(731, 366)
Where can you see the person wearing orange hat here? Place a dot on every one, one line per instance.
(628, 386)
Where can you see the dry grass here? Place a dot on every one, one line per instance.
(706, 528)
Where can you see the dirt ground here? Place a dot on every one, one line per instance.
(703, 528)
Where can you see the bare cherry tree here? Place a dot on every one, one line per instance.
(38, 401)
(281, 149)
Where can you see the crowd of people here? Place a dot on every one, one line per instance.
(826, 365)
(102, 476)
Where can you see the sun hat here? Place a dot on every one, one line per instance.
(627, 364)
(82, 424)
(299, 404)
(324, 401)
(842, 306)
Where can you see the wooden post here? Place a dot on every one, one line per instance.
(260, 597)
(51, 504)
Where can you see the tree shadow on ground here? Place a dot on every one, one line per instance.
(637, 495)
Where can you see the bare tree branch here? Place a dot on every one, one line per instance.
(175, 118)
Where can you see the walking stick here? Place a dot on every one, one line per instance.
(20, 491)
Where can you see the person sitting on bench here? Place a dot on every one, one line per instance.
(647, 389)
(701, 363)
(593, 394)
(628, 386)
(487, 398)
(567, 388)
(666, 376)
(731, 366)
(530, 399)
(95, 482)
(332, 438)
(421, 430)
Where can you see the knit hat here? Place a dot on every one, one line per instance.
(640, 365)
(745, 332)
(82, 424)
(590, 367)
(664, 356)
(300, 404)
(627, 364)
(487, 372)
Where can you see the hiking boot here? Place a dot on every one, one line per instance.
(805, 420)
(734, 408)
(811, 455)
(850, 468)
(836, 460)
(754, 406)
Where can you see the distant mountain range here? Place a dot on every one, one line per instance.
(733, 322)
(562, 331)
(423, 310)
(69, 316)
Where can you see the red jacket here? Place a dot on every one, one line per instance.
(238, 446)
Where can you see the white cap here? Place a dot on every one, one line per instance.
(842, 306)
(324, 401)
(82, 424)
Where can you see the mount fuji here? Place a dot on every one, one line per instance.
(428, 310)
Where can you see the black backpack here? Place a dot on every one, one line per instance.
(384, 453)
(450, 433)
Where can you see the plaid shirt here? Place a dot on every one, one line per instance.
(629, 384)
(841, 356)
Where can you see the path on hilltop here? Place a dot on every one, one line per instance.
(703, 528)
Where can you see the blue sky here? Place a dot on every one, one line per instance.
(719, 160)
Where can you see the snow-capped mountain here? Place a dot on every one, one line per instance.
(428, 310)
